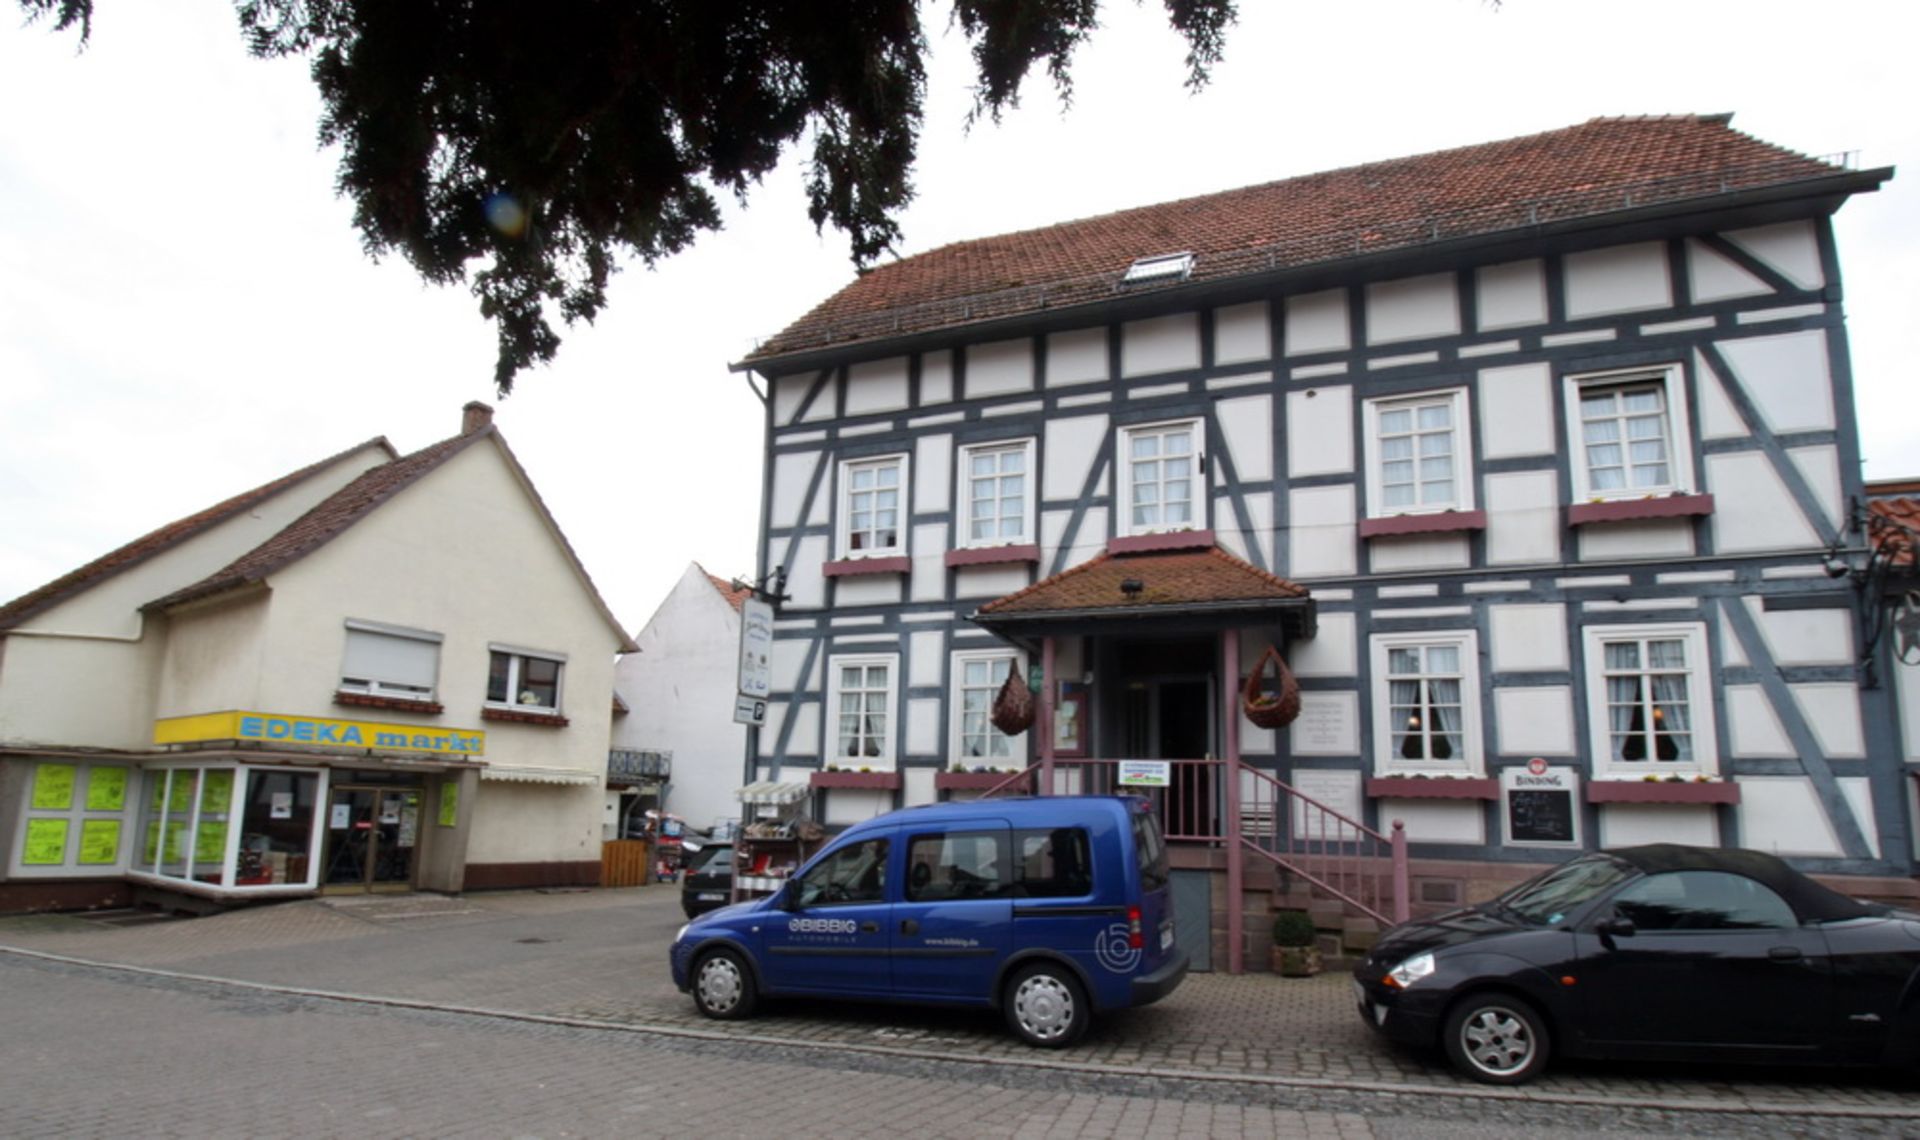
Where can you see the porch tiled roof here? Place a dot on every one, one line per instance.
(1169, 582)
(1893, 525)
(1603, 166)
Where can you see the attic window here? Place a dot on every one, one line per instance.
(1162, 268)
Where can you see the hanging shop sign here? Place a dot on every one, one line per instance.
(276, 728)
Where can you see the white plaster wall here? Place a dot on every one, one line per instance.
(680, 689)
(1317, 322)
(929, 574)
(786, 659)
(788, 391)
(1076, 357)
(1783, 815)
(877, 386)
(933, 473)
(1072, 446)
(1516, 411)
(1246, 425)
(1787, 377)
(869, 589)
(1630, 825)
(923, 727)
(1161, 344)
(1512, 295)
(214, 660)
(806, 740)
(1753, 727)
(917, 787)
(805, 585)
(1260, 514)
(535, 823)
(1718, 418)
(1716, 278)
(792, 474)
(1906, 681)
(1412, 308)
(1832, 710)
(926, 653)
(999, 368)
(1320, 431)
(1619, 279)
(1657, 538)
(1752, 509)
(1535, 721)
(1805, 637)
(1422, 552)
(1436, 821)
(1523, 518)
(1242, 333)
(1333, 651)
(40, 704)
(1819, 465)
(936, 377)
(1791, 248)
(1320, 542)
(1528, 637)
(988, 581)
(777, 712)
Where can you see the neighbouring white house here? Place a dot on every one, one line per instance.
(679, 693)
(333, 682)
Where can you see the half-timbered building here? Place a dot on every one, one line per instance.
(1529, 460)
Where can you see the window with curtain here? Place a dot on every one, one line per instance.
(872, 499)
(1647, 689)
(523, 680)
(1426, 703)
(996, 494)
(1416, 454)
(862, 698)
(1628, 434)
(1162, 466)
(977, 677)
(387, 661)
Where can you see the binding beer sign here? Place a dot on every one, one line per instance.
(1540, 805)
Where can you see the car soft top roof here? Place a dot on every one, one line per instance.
(1810, 900)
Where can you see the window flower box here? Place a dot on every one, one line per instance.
(524, 716)
(976, 781)
(1433, 788)
(876, 781)
(993, 555)
(1634, 510)
(1662, 792)
(396, 704)
(1437, 522)
(858, 567)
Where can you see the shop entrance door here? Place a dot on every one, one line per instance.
(371, 833)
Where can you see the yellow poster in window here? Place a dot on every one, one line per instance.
(53, 787)
(180, 799)
(210, 844)
(100, 841)
(150, 848)
(449, 803)
(216, 793)
(176, 843)
(46, 843)
(106, 789)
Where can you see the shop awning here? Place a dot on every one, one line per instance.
(516, 775)
(771, 792)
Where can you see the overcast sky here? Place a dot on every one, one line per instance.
(185, 311)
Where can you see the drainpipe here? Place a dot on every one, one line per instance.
(1236, 862)
(1046, 716)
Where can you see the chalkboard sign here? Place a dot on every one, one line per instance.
(1540, 815)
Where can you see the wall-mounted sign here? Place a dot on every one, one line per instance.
(756, 648)
(1146, 773)
(358, 735)
(749, 710)
(1540, 805)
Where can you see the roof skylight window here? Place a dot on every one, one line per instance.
(1159, 269)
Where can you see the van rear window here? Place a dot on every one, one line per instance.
(1052, 863)
(1150, 849)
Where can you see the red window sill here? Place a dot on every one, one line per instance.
(399, 704)
(1433, 788)
(1629, 510)
(1173, 540)
(1440, 522)
(993, 555)
(549, 720)
(1661, 792)
(884, 781)
(976, 781)
(852, 567)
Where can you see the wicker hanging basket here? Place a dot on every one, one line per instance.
(1276, 709)
(1014, 707)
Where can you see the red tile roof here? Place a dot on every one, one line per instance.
(736, 596)
(1595, 168)
(1893, 525)
(1171, 583)
(159, 541)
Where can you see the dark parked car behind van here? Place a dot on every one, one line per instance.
(707, 883)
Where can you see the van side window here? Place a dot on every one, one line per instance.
(1053, 863)
(855, 874)
(957, 865)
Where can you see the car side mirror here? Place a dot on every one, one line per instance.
(1616, 927)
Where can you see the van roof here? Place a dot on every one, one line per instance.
(1017, 810)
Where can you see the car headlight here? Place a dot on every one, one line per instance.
(1409, 971)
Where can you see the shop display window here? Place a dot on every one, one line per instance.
(276, 828)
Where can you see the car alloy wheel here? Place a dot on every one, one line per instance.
(1045, 1007)
(722, 987)
(1496, 1039)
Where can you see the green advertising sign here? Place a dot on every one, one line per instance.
(46, 843)
(216, 793)
(106, 789)
(53, 787)
(100, 841)
(449, 803)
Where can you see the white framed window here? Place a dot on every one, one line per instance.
(1418, 452)
(873, 499)
(1426, 703)
(1161, 485)
(524, 678)
(1649, 701)
(996, 494)
(1628, 433)
(972, 740)
(862, 694)
(390, 661)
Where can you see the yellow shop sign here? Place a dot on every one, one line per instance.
(274, 728)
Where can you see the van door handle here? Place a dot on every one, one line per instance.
(909, 926)
(869, 927)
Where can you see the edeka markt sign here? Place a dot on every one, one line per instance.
(275, 728)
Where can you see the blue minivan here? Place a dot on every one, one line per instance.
(1050, 909)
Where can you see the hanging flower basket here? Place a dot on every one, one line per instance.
(1276, 709)
(1013, 708)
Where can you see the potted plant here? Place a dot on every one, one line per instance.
(1296, 948)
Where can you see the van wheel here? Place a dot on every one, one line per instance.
(1496, 1039)
(723, 987)
(1046, 1006)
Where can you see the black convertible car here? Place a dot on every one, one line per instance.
(1653, 952)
